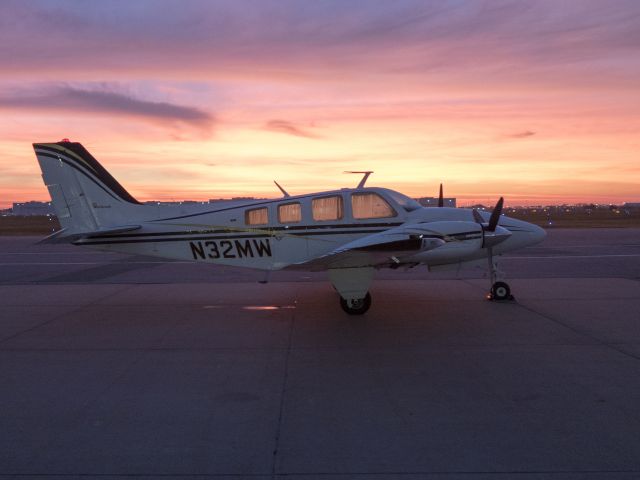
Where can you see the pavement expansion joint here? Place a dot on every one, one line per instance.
(283, 392)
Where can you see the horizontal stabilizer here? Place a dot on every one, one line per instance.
(63, 235)
(56, 237)
(108, 230)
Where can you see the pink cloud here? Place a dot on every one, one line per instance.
(411, 89)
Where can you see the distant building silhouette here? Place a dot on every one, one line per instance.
(233, 199)
(433, 201)
(32, 208)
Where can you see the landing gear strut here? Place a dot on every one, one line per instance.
(356, 306)
(499, 290)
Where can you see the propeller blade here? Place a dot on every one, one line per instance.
(495, 216)
(441, 198)
(477, 217)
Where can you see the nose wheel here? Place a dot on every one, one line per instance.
(499, 290)
(356, 306)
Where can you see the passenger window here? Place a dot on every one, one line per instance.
(257, 216)
(370, 205)
(289, 213)
(327, 208)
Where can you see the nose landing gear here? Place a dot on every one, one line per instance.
(499, 290)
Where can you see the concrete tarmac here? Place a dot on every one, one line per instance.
(117, 367)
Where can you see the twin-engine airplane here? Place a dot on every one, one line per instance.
(349, 232)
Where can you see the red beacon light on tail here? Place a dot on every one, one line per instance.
(66, 140)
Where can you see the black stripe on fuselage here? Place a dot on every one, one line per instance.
(104, 240)
(108, 240)
(305, 228)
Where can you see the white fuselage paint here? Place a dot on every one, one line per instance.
(220, 235)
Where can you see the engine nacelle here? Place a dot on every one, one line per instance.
(444, 241)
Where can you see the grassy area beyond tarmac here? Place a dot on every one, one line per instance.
(558, 217)
(32, 225)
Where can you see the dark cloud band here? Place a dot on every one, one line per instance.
(66, 98)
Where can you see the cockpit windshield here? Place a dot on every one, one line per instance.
(409, 204)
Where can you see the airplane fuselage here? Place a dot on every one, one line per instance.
(222, 235)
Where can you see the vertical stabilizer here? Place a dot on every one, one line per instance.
(84, 195)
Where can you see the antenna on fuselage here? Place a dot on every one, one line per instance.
(284, 192)
(364, 179)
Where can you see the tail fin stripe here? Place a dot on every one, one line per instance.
(68, 155)
(65, 160)
(77, 153)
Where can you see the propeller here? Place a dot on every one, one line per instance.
(492, 234)
(495, 215)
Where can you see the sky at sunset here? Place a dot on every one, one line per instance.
(538, 101)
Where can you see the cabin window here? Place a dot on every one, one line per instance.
(370, 205)
(327, 208)
(256, 216)
(289, 213)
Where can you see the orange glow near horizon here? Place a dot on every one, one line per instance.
(538, 104)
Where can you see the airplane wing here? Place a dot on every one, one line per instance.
(378, 249)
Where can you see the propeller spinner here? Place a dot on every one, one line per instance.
(492, 233)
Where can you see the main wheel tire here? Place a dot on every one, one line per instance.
(356, 306)
(500, 291)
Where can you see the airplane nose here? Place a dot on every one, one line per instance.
(537, 233)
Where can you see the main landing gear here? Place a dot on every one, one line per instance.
(356, 306)
(499, 290)
(352, 284)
